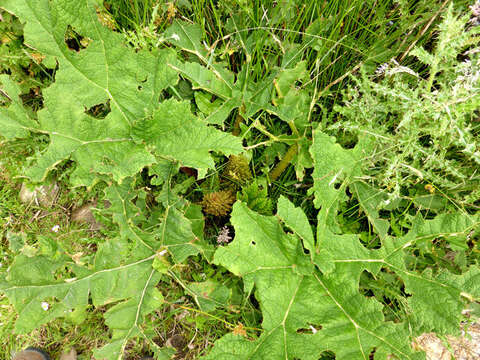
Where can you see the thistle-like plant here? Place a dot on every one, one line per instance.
(425, 125)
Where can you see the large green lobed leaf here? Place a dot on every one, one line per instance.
(107, 73)
(308, 309)
(304, 311)
(117, 276)
(176, 133)
(122, 276)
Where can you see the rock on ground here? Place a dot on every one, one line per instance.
(43, 195)
(465, 347)
(84, 215)
(71, 355)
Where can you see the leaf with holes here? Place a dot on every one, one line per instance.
(105, 73)
(344, 254)
(307, 311)
(304, 311)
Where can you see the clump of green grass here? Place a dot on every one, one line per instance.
(57, 337)
(22, 225)
(335, 37)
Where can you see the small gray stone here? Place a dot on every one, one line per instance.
(177, 341)
(31, 354)
(43, 195)
(71, 355)
(84, 215)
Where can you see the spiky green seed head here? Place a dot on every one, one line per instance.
(218, 203)
(238, 169)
